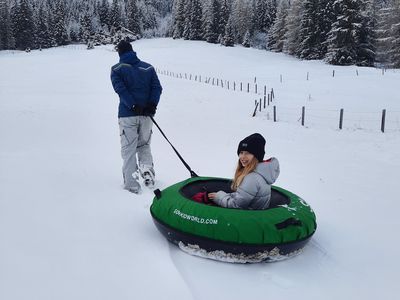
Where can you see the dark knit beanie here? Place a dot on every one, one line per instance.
(123, 46)
(254, 144)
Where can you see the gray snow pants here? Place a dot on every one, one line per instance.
(135, 133)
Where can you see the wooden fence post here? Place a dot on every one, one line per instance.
(265, 100)
(274, 113)
(268, 99)
(255, 109)
(341, 119)
(303, 112)
(255, 88)
(383, 120)
(248, 87)
(260, 104)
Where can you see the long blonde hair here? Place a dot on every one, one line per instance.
(241, 172)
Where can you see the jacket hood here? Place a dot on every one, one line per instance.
(129, 58)
(269, 170)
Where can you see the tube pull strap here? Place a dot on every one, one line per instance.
(192, 173)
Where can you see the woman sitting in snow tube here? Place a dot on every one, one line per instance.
(272, 223)
(253, 177)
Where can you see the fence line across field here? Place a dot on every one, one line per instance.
(240, 86)
(303, 115)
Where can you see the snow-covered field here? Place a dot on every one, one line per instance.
(69, 231)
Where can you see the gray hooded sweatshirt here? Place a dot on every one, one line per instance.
(255, 190)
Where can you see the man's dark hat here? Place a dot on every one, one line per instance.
(254, 144)
(123, 46)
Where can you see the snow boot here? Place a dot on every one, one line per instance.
(148, 175)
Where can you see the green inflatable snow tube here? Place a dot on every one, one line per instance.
(286, 226)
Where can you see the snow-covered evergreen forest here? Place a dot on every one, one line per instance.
(34, 24)
(342, 32)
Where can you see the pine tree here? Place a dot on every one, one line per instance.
(6, 37)
(395, 36)
(179, 18)
(366, 50)
(242, 17)
(149, 16)
(224, 16)
(133, 17)
(277, 33)
(104, 14)
(326, 17)
(86, 27)
(264, 15)
(192, 29)
(51, 21)
(343, 37)
(270, 16)
(228, 40)
(42, 34)
(196, 30)
(163, 7)
(115, 14)
(293, 27)
(311, 33)
(59, 28)
(23, 26)
(211, 22)
(383, 35)
(187, 22)
(259, 15)
(246, 39)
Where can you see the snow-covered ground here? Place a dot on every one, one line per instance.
(69, 231)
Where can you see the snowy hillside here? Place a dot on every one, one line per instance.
(69, 231)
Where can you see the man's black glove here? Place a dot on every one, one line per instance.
(138, 110)
(150, 110)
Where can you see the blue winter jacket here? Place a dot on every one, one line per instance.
(136, 83)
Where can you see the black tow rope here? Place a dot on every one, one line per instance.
(192, 173)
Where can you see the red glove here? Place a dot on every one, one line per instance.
(202, 197)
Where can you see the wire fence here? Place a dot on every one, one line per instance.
(265, 105)
(239, 86)
(384, 120)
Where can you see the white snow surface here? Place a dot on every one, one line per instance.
(69, 231)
